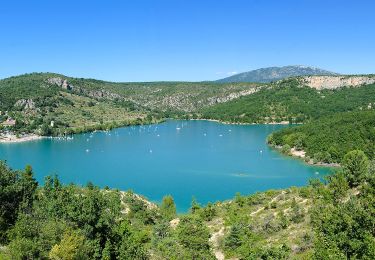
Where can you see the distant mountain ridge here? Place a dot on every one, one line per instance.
(266, 75)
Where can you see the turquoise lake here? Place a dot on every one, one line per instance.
(207, 160)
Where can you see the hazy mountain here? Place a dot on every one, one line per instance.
(265, 75)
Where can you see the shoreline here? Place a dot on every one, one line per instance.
(234, 123)
(301, 154)
(11, 138)
(292, 153)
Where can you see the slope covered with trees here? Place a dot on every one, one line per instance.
(46, 108)
(332, 220)
(329, 138)
(290, 101)
(53, 104)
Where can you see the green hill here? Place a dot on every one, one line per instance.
(329, 138)
(53, 104)
(290, 100)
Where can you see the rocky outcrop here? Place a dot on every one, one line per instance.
(191, 102)
(60, 82)
(231, 96)
(334, 82)
(100, 94)
(97, 94)
(25, 104)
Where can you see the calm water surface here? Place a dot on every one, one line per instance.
(208, 160)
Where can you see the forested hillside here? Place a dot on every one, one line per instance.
(53, 104)
(290, 101)
(45, 104)
(329, 138)
(320, 221)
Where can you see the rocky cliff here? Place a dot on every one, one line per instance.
(97, 94)
(334, 82)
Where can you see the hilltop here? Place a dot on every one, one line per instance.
(266, 75)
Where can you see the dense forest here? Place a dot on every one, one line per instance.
(290, 101)
(329, 138)
(324, 220)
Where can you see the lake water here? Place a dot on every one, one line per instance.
(208, 160)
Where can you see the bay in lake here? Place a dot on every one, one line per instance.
(207, 160)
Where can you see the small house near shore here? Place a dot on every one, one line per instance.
(9, 122)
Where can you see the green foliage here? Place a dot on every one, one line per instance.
(233, 240)
(239, 199)
(17, 190)
(289, 101)
(70, 247)
(284, 221)
(282, 252)
(339, 186)
(139, 210)
(297, 212)
(343, 221)
(32, 237)
(194, 205)
(286, 149)
(131, 242)
(194, 235)
(356, 166)
(168, 207)
(208, 213)
(345, 230)
(328, 139)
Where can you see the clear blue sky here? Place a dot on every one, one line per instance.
(191, 40)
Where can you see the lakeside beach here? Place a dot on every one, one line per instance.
(12, 138)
